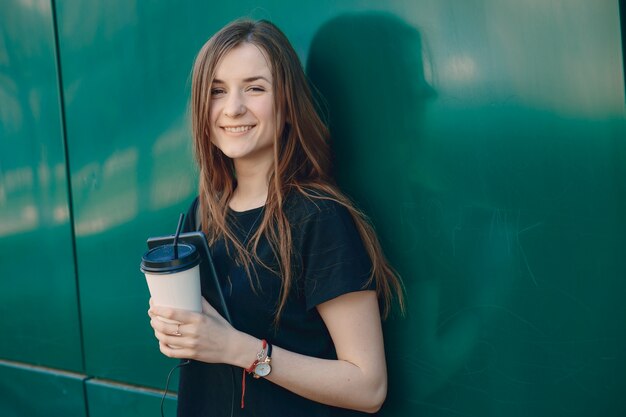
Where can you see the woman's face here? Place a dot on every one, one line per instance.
(243, 123)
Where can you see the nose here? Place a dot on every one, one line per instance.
(234, 105)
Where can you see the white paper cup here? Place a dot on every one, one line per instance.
(173, 281)
(177, 290)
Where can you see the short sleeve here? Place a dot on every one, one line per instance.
(334, 259)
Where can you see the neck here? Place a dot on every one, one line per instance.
(252, 185)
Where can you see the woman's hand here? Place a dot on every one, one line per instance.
(357, 379)
(186, 334)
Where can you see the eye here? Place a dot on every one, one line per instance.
(216, 92)
(255, 89)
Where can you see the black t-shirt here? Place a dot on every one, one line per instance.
(329, 260)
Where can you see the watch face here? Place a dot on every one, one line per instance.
(263, 369)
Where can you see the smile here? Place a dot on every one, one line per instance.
(237, 129)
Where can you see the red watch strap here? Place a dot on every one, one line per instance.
(265, 351)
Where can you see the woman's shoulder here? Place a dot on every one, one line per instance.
(308, 204)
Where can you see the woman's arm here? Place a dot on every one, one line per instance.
(356, 380)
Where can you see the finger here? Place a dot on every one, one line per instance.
(165, 328)
(168, 350)
(160, 336)
(170, 340)
(175, 351)
(173, 314)
(173, 340)
(171, 329)
(151, 304)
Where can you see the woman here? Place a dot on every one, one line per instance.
(301, 270)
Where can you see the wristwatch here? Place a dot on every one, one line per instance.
(263, 367)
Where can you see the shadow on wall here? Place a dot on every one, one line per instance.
(455, 254)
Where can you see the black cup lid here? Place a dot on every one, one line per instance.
(161, 259)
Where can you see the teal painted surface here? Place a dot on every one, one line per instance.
(38, 296)
(486, 141)
(37, 392)
(125, 84)
(106, 399)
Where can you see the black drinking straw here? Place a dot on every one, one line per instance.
(178, 228)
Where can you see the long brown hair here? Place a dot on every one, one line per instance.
(302, 159)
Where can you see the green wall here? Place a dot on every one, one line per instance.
(38, 298)
(484, 138)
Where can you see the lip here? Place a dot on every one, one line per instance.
(239, 129)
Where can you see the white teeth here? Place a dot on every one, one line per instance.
(237, 129)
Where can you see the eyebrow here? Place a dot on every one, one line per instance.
(245, 80)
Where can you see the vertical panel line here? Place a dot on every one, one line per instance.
(70, 202)
(85, 391)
